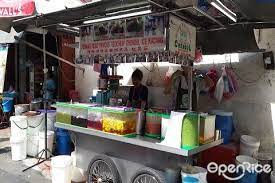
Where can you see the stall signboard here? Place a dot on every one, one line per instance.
(15, 8)
(182, 37)
(3, 62)
(134, 35)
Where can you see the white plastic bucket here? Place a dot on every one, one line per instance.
(249, 145)
(21, 108)
(272, 177)
(197, 172)
(19, 126)
(18, 148)
(78, 174)
(35, 124)
(50, 138)
(51, 118)
(32, 145)
(61, 169)
(241, 159)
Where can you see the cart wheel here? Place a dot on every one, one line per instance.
(148, 175)
(102, 169)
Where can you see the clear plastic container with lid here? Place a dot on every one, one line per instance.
(121, 122)
(153, 124)
(79, 115)
(63, 113)
(95, 118)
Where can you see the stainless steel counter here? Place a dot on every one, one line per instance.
(139, 141)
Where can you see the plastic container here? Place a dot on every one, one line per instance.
(190, 131)
(249, 145)
(19, 126)
(50, 138)
(35, 124)
(51, 118)
(32, 145)
(21, 108)
(79, 116)
(78, 174)
(119, 122)
(63, 113)
(249, 176)
(195, 172)
(95, 118)
(190, 180)
(164, 124)
(7, 104)
(224, 122)
(264, 159)
(140, 122)
(153, 125)
(61, 169)
(18, 148)
(63, 142)
(207, 128)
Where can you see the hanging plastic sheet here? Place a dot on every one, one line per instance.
(3, 62)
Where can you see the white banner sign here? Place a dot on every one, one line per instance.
(133, 35)
(3, 62)
(182, 37)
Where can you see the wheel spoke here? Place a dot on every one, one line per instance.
(100, 170)
(145, 178)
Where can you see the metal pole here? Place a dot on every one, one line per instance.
(190, 87)
(44, 93)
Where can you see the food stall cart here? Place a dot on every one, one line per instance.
(108, 148)
(111, 155)
(111, 158)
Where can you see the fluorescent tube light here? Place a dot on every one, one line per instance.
(225, 7)
(129, 10)
(118, 17)
(64, 25)
(228, 14)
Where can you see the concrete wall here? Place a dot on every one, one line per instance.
(252, 105)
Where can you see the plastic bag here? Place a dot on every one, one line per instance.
(213, 75)
(168, 75)
(198, 56)
(220, 88)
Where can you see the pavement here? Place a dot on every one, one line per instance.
(11, 171)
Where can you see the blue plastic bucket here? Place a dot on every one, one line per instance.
(63, 142)
(190, 180)
(7, 104)
(247, 176)
(224, 122)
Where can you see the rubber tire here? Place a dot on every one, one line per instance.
(110, 163)
(160, 178)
